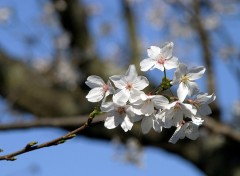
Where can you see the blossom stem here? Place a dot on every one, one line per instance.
(165, 74)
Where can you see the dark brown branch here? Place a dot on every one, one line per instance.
(132, 33)
(32, 145)
(63, 122)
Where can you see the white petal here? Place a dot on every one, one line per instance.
(193, 88)
(153, 51)
(107, 106)
(159, 66)
(147, 64)
(188, 109)
(118, 81)
(192, 131)
(182, 69)
(94, 81)
(126, 124)
(95, 95)
(204, 98)
(112, 122)
(131, 74)
(134, 95)
(157, 126)
(147, 108)
(146, 125)
(171, 63)
(204, 110)
(179, 72)
(121, 96)
(176, 135)
(140, 83)
(167, 50)
(196, 73)
(182, 92)
(178, 118)
(168, 118)
(160, 101)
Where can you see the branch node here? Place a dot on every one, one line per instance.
(11, 159)
(31, 144)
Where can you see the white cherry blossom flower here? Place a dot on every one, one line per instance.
(185, 78)
(118, 114)
(129, 85)
(173, 113)
(159, 58)
(99, 89)
(201, 103)
(188, 129)
(147, 103)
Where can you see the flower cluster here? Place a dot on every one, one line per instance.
(129, 103)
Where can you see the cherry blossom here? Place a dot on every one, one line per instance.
(201, 103)
(174, 113)
(129, 85)
(160, 58)
(188, 129)
(99, 89)
(185, 78)
(146, 104)
(118, 114)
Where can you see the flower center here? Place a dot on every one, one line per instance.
(105, 87)
(129, 86)
(161, 60)
(185, 79)
(121, 110)
(177, 106)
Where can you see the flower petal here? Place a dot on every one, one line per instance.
(153, 51)
(112, 122)
(118, 81)
(192, 131)
(147, 124)
(140, 83)
(131, 74)
(182, 91)
(94, 81)
(179, 72)
(159, 66)
(171, 63)
(134, 95)
(121, 96)
(147, 108)
(204, 110)
(147, 64)
(176, 135)
(107, 106)
(167, 50)
(95, 95)
(160, 101)
(126, 124)
(193, 88)
(196, 72)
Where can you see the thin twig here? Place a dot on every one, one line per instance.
(32, 145)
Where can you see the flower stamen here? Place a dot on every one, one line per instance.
(121, 110)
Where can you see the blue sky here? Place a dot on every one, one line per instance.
(81, 155)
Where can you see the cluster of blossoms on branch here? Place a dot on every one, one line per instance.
(156, 109)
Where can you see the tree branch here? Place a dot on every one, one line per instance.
(32, 145)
